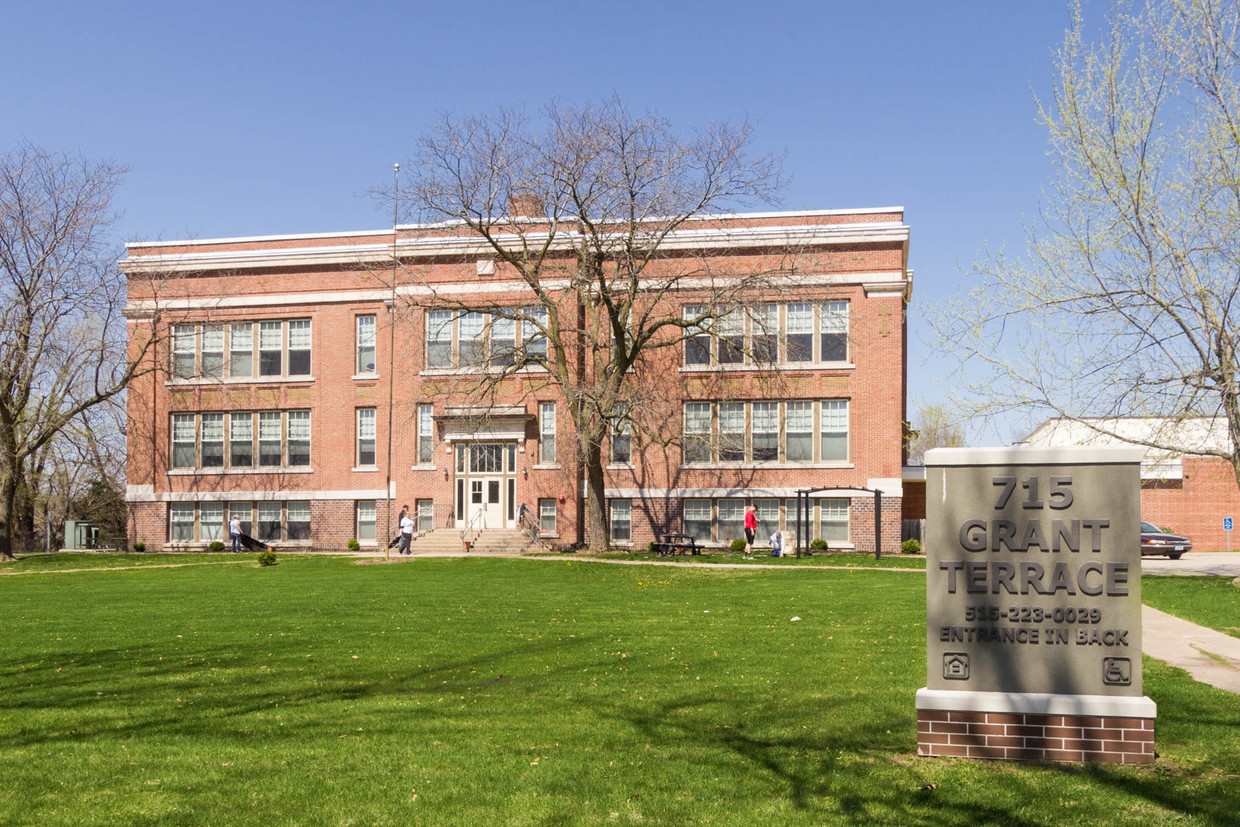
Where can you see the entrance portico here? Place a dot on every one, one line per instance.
(485, 443)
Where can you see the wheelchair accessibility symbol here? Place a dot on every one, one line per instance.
(1117, 671)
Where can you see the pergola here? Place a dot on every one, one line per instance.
(803, 495)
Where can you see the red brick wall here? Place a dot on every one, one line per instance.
(1032, 737)
(1196, 505)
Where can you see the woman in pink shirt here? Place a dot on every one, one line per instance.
(751, 529)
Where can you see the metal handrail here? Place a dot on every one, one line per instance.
(528, 525)
(471, 531)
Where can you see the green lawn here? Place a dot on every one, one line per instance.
(1207, 601)
(487, 691)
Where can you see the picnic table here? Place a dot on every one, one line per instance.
(669, 544)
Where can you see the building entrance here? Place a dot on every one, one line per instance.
(486, 484)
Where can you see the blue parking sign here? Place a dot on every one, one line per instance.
(1227, 524)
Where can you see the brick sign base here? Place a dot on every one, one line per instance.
(1041, 733)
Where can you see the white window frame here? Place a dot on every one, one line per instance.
(366, 345)
(366, 430)
(546, 433)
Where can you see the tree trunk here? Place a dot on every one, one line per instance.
(596, 496)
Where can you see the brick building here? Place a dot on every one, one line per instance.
(1188, 491)
(313, 384)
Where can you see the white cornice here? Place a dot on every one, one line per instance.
(732, 238)
(413, 293)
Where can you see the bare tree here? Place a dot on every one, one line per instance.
(1125, 303)
(933, 426)
(579, 208)
(62, 336)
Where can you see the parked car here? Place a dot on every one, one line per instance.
(1156, 541)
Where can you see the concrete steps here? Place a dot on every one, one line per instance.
(490, 542)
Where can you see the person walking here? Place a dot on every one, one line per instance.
(406, 531)
(751, 530)
(234, 532)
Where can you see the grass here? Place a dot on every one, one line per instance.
(763, 557)
(1206, 601)
(486, 691)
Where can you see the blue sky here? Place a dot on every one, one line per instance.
(261, 118)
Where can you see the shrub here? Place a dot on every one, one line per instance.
(354, 545)
(650, 547)
(216, 545)
(818, 544)
(738, 544)
(267, 558)
(910, 547)
(139, 547)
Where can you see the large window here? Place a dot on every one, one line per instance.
(297, 520)
(472, 339)
(809, 333)
(833, 520)
(283, 350)
(268, 522)
(766, 432)
(211, 522)
(181, 522)
(546, 433)
(621, 521)
(698, 520)
(218, 441)
(731, 520)
(365, 437)
(365, 345)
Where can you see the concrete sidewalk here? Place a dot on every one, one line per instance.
(1208, 655)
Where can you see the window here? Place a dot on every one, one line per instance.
(365, 344)
(213, 351)
(697, 344)
(698, 520)
(800, 432)
(426, 435)
(211, 522)
(183, 453)
(731, 432)
(502, 341)
(241, 350)
(426, 514)
(439, 339)
(299, 347)
(241, 440)
(297, 521)
(731, 520)
(532, 326)
(546, 433)
(768, 516)
(730, 327)
(298, 438)
(621, 440)
(212, 440)
(366, 521)
(184, 342)
(365, 437)
(765, 431)
(621, 521)
(546, 516)
(181, 522)
(800, 333)
(198, 351)
(835, 429)
(697, 432)
(269, 447)
(470, 326)
(765, 321)
(270, 349)
(833, 520)
(241, 511)
(268, 522)
(833, 323)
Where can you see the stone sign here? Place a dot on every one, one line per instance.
(1033, 583)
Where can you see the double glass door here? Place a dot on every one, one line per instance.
(486, 484)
